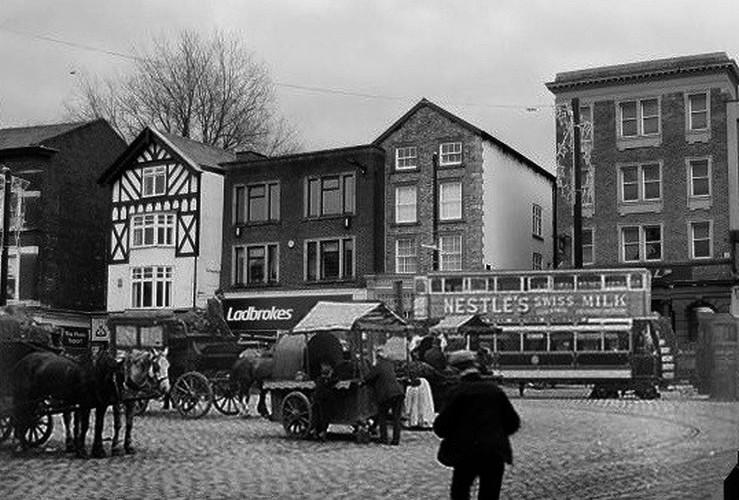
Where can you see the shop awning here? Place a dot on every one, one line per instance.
(349, 315)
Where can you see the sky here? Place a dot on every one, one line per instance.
(367, 62)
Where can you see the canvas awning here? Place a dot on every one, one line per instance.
(461, 324)
(349, 315)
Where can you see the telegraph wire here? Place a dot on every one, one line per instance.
(316, 89)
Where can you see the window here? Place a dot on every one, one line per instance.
(536, 220)
(329, 259)
(450, 253)
(450, 200)
(405, 256)
(256, 264)
(641, 182)
(586, 185)
(154, 181)
(699, 176)
(536, 341)
(257, 202)
(588, 341)
(331, 195)
(406, 158)
(450, 153)
(588, 254)
(13, 285)
(152, 230)
(698, 111)
(536, 261)
(700, 238)
(151, 287)
(405, 204)
(639, 117)
(641, 243)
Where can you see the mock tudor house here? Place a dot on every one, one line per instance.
(661, 189)
(298, 229)
(164, 231)
(459, 199)
(56, 260)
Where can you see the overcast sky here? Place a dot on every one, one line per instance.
(484, 60)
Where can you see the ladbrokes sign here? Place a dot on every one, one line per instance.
(272, 313)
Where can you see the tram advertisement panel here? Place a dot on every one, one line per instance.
(552, 306)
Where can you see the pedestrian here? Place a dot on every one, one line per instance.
(474, 427)
(388, 394)
(216, 315)
(435, 355)
(419, 404)
(323, 395)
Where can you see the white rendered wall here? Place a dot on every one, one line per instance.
(510, 189)
(211, 237)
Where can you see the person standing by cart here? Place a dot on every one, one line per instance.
(388, 394)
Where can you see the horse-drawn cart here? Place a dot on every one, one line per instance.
(200, 358)
(342, 335)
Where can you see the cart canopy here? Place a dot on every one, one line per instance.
(461, 325)
(345, 316)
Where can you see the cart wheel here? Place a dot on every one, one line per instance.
(140, 406)
(6, 427)
(296, 414)
(38, 432)
(192, 395)
(225, 399)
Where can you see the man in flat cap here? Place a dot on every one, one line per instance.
(388, 394)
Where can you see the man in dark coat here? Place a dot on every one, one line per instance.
(388, 395)
(475, 425)
(216, 315)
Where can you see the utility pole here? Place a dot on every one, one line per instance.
(577, 214)
(437, 208)
(7, 180)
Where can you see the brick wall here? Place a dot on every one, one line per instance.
(426, 129)
(366, 225)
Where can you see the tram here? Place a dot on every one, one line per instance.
(590, 326)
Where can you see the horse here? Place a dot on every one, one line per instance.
(42, 375)
(249, 369)
(142, 371)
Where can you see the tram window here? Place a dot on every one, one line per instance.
(535, 342)
(509, 341)
(436, 284)
(478, 284)
(643, 339)
(616, 281)
(509, 284)
(636, 281)
(561, 341)
(616, 341)
(539, 283)
(491, 284)
(588, 282)
(564, 282)
(453, 285)
(588, 341)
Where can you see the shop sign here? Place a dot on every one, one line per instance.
(75, 337)
(99, 329)
(272, 313)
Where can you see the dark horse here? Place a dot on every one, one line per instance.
(250, 369)
(40, 376)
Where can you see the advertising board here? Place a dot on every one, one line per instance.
(272, 313)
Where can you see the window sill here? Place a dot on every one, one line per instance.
(405, 224)
(637, 207)
(149, 247)
(452, 221)
(408, 170)
(537, 237)
(450, 166)
(695, 136)
(244, 286)
(623, 143)
(703, 203)
(271, 222)
(327, 217)
(330, 282)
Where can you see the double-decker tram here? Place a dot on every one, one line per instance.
(590, 326)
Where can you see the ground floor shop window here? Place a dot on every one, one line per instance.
(151, 286)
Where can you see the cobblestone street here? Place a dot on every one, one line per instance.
(567, 448)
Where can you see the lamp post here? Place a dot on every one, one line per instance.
(7, 180)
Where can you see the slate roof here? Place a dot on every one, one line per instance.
(465, 124)
(21, 137)
(201, 154)
(620, 73)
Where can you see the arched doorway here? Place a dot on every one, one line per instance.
(692, 316)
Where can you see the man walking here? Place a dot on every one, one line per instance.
(475, 426)
(388, 394)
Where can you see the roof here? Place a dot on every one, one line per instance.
(21, 137)
(195, 154)
(460, 324)
(621, 73)
(346, 315)
(425, 103)
(305, 155)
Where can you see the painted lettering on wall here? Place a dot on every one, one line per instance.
(535, 305)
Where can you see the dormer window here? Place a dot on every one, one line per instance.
(154, 181)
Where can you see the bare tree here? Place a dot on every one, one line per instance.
(209, 89)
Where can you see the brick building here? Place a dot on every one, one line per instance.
(458, 199)
(297, 229)
(661, 189)
(56, 260)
